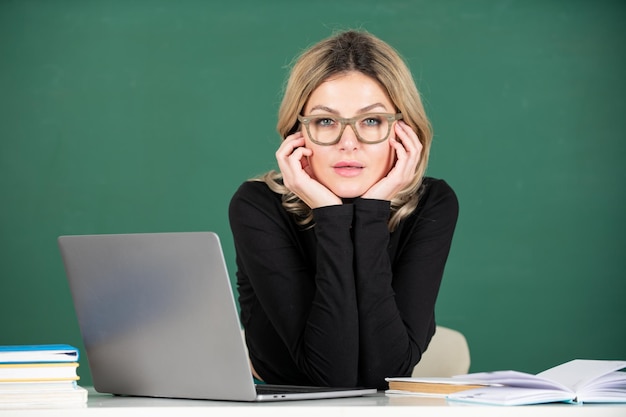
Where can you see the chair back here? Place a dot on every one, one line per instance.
(447, 355)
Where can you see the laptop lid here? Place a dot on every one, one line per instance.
(158, 317)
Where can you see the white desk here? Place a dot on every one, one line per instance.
(107, 405)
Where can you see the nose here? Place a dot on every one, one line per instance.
(348, 138)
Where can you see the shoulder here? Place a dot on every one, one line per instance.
(436, 195)
(254, 196)
(437, 187)
(436, 213)
(254, 189)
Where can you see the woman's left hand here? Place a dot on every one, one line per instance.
(408, 151)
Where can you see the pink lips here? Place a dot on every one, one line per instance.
(348, 168)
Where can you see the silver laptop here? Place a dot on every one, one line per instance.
(158, 318)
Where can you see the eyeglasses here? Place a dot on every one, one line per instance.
(369, 128)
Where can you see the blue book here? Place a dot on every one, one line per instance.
(38, 353)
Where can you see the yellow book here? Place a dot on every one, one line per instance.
(17, 372)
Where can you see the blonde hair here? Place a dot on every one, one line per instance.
(341, 53)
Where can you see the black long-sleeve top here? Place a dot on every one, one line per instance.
(346, 302)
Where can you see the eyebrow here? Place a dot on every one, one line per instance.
(360, 111)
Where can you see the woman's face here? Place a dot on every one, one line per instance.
(349, 168)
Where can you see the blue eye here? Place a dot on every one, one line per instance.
(371, 121)
(324, 122)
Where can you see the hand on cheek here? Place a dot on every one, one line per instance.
(292, 157)
(407, 149)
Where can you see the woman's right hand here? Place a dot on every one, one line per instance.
(292, 159)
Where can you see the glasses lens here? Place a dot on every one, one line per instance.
(324, 129)
(370, 128)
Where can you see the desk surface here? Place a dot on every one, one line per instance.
(107, 405)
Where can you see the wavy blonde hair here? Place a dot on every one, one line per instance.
(344, 52)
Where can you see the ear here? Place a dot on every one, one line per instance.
(296, 128)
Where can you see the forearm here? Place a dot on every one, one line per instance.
(397, 296)
(331, 338)
(384, 342)
(301, 285)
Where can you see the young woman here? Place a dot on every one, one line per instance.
(340, 255)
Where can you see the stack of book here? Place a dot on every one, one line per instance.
(40, 376)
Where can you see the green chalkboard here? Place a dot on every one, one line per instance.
(145, 116)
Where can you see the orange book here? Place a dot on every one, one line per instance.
(431, 386)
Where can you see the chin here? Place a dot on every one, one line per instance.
(348, 192)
